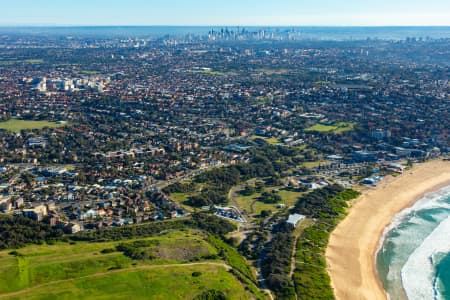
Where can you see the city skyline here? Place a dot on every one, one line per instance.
(210, 13)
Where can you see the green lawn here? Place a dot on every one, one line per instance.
(270, 141)
(313, 164)
(16, 125)
(88, 72)
(253, 207)
(165, 282)
(181, 198)
(212, 72)
(33, 61)
(208, 72)
(289, 197)
(47, 264)
(337, 128)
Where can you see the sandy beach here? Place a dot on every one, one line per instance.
(353, 244)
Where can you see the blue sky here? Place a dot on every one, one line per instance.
(226, 12)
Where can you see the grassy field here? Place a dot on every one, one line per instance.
(181, 198)
(83, 271)
(88, 72)
(212, 72)
(270, 141)
(16, 125)
(289, 197)
(313, 164)
(245, 203)
(155, 282)
(337, 128)
(208, 72)
(253, 207)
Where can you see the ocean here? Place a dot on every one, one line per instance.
(339, 33)
(413, 261)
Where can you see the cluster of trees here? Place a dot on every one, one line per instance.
(270, 198)
(211, 295)
(253, 244)
(233, 259)
(138, 250)
(179, 187)
(129, 232)
(322, 203)
(17, 231)
(212, 224)
(208, 196)
(268, 161)
(276, 264)
(207, 222)
(248, 190)
(310, 277)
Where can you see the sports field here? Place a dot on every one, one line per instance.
(16, 125)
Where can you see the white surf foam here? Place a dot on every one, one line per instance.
(429, 201)
(409, 229)
(418, 274)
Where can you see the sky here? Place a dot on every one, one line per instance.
(226, 12)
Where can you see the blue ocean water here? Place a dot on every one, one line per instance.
(339, 33)
(443, 277)
(414, 259)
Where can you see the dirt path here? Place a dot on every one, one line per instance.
(297, 233)
(232, 195)
(293, 257)
(13, 294)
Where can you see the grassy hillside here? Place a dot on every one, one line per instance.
(153, 282)
(85, 270)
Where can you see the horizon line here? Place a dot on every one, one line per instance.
(211, 25)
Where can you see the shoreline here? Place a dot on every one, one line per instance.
(351, 251)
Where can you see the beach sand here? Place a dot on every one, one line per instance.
(353, 244)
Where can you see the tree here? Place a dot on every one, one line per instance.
(211, 295)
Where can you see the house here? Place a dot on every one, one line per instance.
(37, 213)
(37, 142)
(18, 203)
(90, 214)
(72, 228)
(364, 156)
(5, 205)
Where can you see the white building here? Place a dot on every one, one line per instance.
(295, 219)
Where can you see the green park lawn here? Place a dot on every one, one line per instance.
(81, 271)
(337, 128)
(154, 282)
(313, 164)
(16, 125)
(270, 141)
(253, 206)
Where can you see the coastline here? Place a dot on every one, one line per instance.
(353, 244)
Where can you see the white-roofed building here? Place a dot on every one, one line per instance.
(295, 219)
